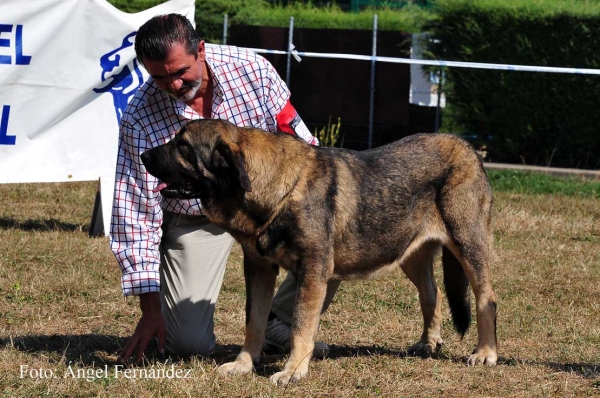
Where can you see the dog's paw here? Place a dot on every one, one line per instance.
(235, 368)
(485, 357)
(285, 377)
(424, 349)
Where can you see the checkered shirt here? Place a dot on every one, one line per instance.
(246, 91)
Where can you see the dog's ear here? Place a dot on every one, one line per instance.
(238, 161)
(232, 152)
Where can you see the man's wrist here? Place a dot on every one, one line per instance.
(150, 302)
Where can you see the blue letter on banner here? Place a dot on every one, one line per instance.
(4, 138)
(5, 59)
(21, 59)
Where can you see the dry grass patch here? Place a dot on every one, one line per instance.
(62, 311)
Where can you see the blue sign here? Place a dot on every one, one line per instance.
(19, 59)
(119, 80)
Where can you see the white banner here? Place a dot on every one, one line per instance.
(67, 71)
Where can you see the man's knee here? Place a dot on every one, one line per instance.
(189, 342)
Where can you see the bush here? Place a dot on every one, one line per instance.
(534, 118)
(209, 16)
(407, 19)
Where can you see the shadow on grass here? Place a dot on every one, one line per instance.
(271, 360)
(87, 349)
(344, 351)
(41, 225)
(99, 349)
(586, 370)
(96, 350)
(269, 365)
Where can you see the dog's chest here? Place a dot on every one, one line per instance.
(281, 254)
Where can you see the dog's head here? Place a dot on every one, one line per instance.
(204, 156)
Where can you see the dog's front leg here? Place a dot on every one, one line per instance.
(310, 295)
(260, 284)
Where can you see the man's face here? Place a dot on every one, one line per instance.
(180, 74)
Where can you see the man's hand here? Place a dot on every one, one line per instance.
(151, 324)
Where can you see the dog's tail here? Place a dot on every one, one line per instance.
(457, 291)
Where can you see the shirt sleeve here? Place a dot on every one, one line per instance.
(275, 96)
(135, 230)
(290, 122)
(281, 115)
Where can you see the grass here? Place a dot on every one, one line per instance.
(62, 313)
(532, 183)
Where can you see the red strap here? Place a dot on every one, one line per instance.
(286, 119)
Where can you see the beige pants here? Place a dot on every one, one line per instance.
(194, 254)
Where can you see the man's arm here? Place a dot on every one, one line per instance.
(135, 231)
(135, 238)
(290, 122)
(277, 104)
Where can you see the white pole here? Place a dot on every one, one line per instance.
(225, 29)
(372, 100)
(289, 51)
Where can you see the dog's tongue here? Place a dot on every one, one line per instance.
(161, 185)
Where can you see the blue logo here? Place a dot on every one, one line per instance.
(122, 81)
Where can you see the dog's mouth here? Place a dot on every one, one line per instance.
(177, 191)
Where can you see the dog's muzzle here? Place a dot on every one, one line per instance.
(175, 191)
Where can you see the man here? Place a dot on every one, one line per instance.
(170, 254)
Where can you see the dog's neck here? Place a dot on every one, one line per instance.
(273, 179)
(267, 168)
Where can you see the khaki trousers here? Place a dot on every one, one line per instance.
(194, 254)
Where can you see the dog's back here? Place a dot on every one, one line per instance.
(388, 201)
(399, 205)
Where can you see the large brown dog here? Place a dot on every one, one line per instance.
(325, 213)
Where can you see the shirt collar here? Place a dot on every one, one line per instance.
(217, 87)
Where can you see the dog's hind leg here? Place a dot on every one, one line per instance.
(467, 215)
(419, 269)
(474, 263)
(260, 284)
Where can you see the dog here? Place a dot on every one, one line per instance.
(331, 213)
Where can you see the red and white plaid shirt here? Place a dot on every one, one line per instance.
(247, 91)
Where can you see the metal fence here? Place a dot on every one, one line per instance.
(425, 88)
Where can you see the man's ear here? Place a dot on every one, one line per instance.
(201, 50)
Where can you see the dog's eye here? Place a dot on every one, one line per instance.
(186, 151)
